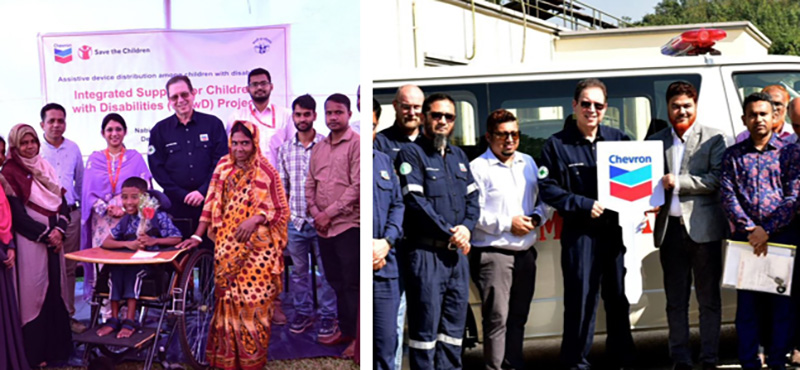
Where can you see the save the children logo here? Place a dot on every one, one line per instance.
(85, 52)
(628, 183)
(63, 53)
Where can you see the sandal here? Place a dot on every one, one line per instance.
(131, 326)
(112, 323)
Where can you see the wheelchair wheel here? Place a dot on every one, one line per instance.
(197, 282)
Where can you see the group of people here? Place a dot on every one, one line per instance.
(263, 186)
(439, 219)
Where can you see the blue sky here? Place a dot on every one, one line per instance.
(633, 9)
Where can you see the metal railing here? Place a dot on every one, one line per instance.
(571, 14)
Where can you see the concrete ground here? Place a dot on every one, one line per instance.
(651, 347)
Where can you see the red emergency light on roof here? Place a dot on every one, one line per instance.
(694, 42)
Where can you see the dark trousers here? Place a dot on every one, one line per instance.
(682, 258)
(505, 280)
(765, 318)
(592, 266)
(340, 260)
(385, 299)
(437, 292)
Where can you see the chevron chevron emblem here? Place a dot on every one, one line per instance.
(631, 185)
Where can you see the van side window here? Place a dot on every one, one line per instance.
(750, 82)
(636, 105)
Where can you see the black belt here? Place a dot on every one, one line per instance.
(432, 242)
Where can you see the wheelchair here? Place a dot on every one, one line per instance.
(179, 287)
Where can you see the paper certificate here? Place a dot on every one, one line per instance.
(770, 274)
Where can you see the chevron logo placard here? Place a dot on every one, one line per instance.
(631, 185)
(63, 53)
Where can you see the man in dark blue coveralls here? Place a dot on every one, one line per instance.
(591, 242)
(441, 200)
(387, 228)
(184, 149)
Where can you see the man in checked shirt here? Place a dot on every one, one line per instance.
(759, 194)
(293, 158)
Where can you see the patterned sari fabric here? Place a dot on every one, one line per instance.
(247, 275)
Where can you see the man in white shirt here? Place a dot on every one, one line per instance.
(503, 261)
(274, 123)
(65, 157)
(690, 226)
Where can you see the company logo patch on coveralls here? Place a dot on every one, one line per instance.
(405, 168)
(543, 172)
(384, 175)
(203, 137)
(462, 167)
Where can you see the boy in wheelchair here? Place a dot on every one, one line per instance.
(125, 281)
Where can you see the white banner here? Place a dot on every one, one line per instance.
(93, 74)
(629, 181)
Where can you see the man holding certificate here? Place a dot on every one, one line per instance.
(753, 198)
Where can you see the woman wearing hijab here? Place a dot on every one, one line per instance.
(40, 215)
(12, 353)
(246, 213)
(106, 170)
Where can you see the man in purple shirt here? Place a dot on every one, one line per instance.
(760, 201)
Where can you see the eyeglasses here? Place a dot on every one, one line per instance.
(260, 84)
(597, 106)
(436, 116)
(185, 95)
(514, 135)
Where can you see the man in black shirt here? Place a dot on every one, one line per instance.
(184, 149)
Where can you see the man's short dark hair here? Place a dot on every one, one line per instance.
(497, 117)
(306, 102)
(4, 143)
(339, 98)
(433, 98)
(135, 182)
(376, 108)
(51, 106)
(178, 78)
(681, 88)
(757, 97)
(588, 83)
(259, 72)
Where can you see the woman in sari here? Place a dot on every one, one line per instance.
(40, 215)
(106, 170)
(12, 354)
(246, 213)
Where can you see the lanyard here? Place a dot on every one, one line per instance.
(272, 109)
(114, 178)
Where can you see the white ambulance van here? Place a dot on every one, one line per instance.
(541, 98)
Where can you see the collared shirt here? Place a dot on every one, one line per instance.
(68, 163)
(504, 192)
(272, 136)
(786, 135)
(293, 167)
(568, 173)
(387, 209)
(439, 191)
(679, 145)
(752, 185)
(333, 182)
(391, 140)
(183, 157)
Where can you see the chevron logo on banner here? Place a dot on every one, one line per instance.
(631, 185)
(63, 52)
